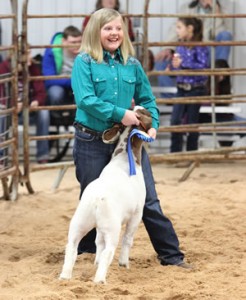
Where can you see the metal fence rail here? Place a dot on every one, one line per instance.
(9, 164)
(227, 153)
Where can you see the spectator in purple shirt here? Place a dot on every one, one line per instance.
(196, 57)
(222, 32)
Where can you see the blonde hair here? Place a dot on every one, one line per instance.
(91, 42)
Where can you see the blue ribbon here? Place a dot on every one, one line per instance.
(143, 137)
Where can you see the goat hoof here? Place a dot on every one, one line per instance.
(125, 265)
(102, 281)
(64, 277)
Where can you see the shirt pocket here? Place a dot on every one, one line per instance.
(129, 83)
(99, 83)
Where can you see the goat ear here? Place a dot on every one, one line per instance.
(110, 136)
(145, 120)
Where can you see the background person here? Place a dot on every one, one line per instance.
(222, 33)
(197, 57)
(37, 97)
(222, 87)
(59, 61)
(114, 4)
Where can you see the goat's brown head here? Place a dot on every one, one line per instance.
(111, 135)
(144, 117)
(145, 124)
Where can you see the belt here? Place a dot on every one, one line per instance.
(82, 128)
(189, 87)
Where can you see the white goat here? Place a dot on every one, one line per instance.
(114, 199)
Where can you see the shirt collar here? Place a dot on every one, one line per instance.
(107, 56)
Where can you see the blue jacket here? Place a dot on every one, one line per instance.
(52, 63)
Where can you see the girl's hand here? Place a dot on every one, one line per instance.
(19, 106)
(34, 103)
(176, 61)
(165, 54)
(130, 118)
(152, 132)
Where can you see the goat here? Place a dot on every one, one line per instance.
(113, 199)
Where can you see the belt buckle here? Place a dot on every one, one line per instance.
(187, 86)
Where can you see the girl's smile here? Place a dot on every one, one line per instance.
(112, 35)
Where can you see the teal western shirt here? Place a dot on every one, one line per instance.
(103, 91)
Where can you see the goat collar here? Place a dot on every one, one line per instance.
(143, 136)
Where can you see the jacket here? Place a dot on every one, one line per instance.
(52, 63)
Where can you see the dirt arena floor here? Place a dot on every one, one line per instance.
(208, 211)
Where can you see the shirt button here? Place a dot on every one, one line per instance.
(115, 93)
(97, 79)
(112, 66)
(115, 78)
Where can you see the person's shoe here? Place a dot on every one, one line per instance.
(43, 161)
(180, 264)
(185, 265)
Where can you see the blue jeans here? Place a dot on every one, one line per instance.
(91, 155)
(221, 52)
(188, 114)
(41, 119)
(164, 80)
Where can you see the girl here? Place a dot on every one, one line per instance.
(105, 79)
(222, 33)
(197, 57)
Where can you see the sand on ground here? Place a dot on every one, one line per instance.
(208, 212)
